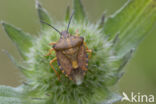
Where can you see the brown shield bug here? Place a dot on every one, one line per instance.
(71, 54)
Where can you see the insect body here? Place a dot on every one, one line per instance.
(71, 55)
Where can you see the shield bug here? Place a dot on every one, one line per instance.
(71, 54)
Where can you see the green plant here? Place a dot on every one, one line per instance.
(112, 40)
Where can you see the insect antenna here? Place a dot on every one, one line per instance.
(51, 26)
(70, 21)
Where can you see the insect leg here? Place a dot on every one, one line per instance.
(89, 51)
(53, 60)
(52, 43)
(86, 45)
(84, 68)
(50, 51)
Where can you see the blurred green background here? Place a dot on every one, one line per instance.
(140, 73)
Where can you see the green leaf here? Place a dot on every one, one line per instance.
(133, 21)
(14, 60)
(115, 75)
(112, 98)
(125, 59)
(22, 40)
(11, 100)
(78, 10)
(18, 65)
(7, 91)
(67, 17)
(9, 95)
(101, 23)
(43, 15)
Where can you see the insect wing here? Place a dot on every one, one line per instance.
(64, 63)
(83, 58)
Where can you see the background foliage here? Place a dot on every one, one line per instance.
(140, 73)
